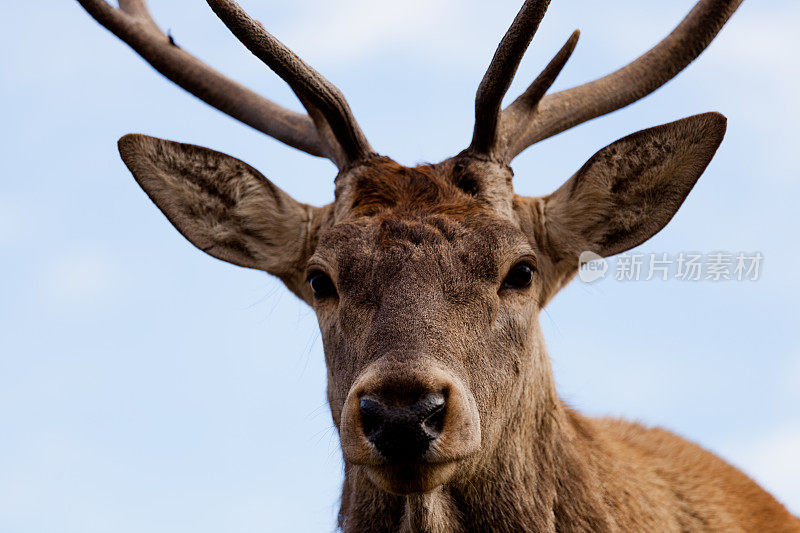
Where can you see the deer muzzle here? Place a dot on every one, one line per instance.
(409, 424)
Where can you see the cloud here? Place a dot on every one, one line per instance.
(758, 54)
(357, 29)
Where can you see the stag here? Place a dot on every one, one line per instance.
(428, 282)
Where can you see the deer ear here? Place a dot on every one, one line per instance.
(225, 207)
(629, 190)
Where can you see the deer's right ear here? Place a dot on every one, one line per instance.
(225, 207)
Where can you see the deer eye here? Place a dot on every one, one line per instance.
(322, 285)
(519, 277)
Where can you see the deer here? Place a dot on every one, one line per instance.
(428, 281)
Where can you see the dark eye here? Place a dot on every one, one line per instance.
(322, 285)
(519, 277)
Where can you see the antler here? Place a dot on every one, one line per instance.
(134, 25)
(498, 77)
(534, 117)
(324, 102)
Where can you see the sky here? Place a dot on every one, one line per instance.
(145, 386)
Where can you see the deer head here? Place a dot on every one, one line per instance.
(427, 281)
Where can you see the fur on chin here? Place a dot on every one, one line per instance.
(407, 479)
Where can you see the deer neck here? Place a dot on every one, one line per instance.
(541, 474)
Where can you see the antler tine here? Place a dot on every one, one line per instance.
(565, 109)
(318, 94)
(536, 90)
(133, 24)
(501, 72)
(526, 103)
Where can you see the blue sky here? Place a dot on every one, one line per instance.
(145, 386)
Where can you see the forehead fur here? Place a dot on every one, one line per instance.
(414, 249)
(435, 253)
(425, 224)
(386, 186)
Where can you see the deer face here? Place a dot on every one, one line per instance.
(427, 298)
(427, 281)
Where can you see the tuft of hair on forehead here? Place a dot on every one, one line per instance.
(386, 186)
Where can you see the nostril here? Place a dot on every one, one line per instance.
(373, 415)
(433, 423)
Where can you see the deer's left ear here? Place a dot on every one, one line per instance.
(627, 192)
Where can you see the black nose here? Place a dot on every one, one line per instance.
(403, 433)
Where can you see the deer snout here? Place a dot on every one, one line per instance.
(408, 413)
(403, 433)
